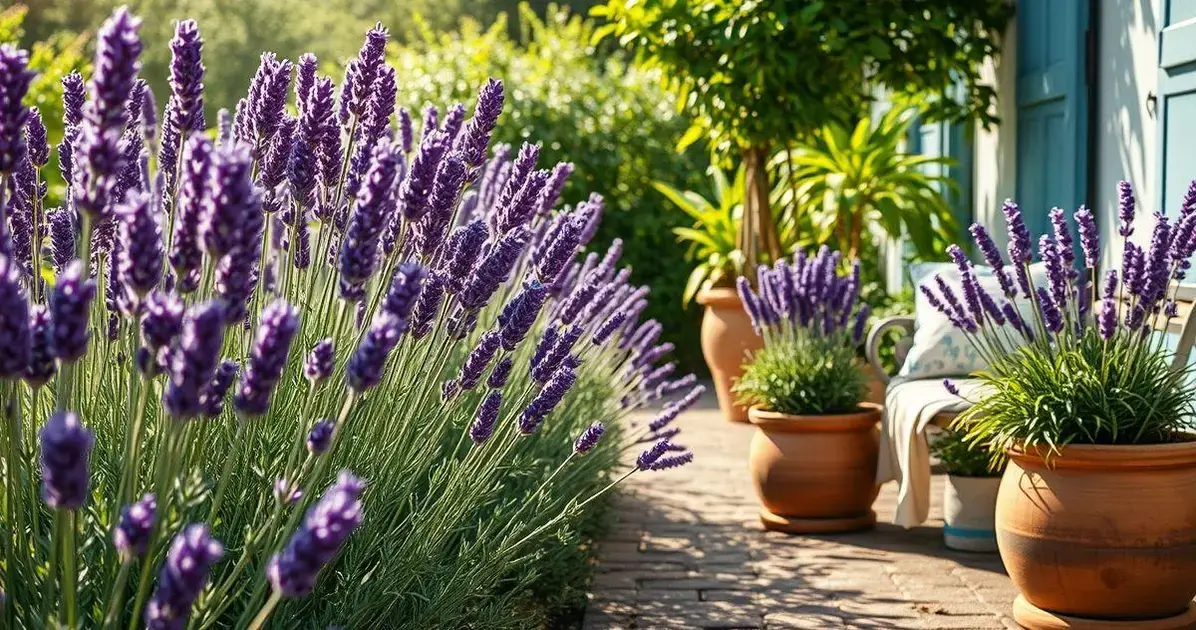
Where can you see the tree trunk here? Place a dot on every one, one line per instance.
(758, 232)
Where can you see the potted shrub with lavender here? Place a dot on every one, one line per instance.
(198, 348)
(1094, 519)
(970, 494)
(813, 459)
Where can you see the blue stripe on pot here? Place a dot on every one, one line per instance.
(963, 532)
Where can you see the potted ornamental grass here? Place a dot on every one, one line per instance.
(970, 494)
(218, 326)
(1095, 519)
(813, 458)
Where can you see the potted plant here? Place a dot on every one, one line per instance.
(1095, 519)
(727, 334)
(970, 494)
(813, 458)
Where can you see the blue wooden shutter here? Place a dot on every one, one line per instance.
(1051, 107)
(1177, 101)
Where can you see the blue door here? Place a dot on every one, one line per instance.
(1051, 107)
(1177, 101)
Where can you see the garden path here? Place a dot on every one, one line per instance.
(688, 552)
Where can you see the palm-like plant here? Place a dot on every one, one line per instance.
(713, 237)
(844, 181)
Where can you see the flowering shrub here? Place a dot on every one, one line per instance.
(198, 347)
(1063, 373)
(806, 312)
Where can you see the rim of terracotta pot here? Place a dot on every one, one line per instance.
(1179, 454)
(862, 420)
(719, 296)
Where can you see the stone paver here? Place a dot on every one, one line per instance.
(689, 552)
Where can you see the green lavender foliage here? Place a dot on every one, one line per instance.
(963, 459)
(804, 375)
(1087, 391)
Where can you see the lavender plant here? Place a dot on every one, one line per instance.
(229, 327)
(807, 314)
(1061, 371)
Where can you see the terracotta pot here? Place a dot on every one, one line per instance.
(816, 473)
(1104, 534)
(727, 338)
(969, 506)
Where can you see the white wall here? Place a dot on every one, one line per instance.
(994, 172)
(1126, 137)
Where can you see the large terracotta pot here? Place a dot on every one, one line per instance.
(1102, 537)
(727, 338)
(816, 474)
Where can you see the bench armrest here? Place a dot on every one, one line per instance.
(876, 337)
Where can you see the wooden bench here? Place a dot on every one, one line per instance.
(1183, 325)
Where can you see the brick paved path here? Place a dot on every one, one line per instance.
(688, 552)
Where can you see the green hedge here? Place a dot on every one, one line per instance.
(612, 121)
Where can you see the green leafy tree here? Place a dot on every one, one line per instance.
(613, 122)
(755, 74)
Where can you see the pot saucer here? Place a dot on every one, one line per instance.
(1031, 617)
(796, 525)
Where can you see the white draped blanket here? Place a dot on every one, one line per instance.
(910, 405)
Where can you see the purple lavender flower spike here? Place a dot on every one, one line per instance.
(62, 238)
(431, 120)
(674, 409)
(949, 385)
(556, 185)
(474, 139)
(453, 121)
(445, 192)
(1089, 238)
(416, 188)
(320, 437)
(608, 328)
(500, 373)
(35, 138)
(236, 277)
(186, 79)
(327, 132)
(193, 362)
(1157, 268)
(305, 79)
(1125, 209)
(554, 355)
(231, 202)
(182, 578)
(549, 397)
(465, 255)
(319, 363)
(141, 256)
(15, 78)
(404, 290)
(358, 255)
(366, 365)
(1019, 235)
(1052, 317)
(41, 367)
(589, 438)
(65, 461)
(861, 320)
(486, 418)
(14, 322)
(651, 455)
(524, 308)
(364, 70)
(73, 97)
(267, 100)
(161, 323)
(193, 204)
(1056, 266)
(406, 131)
(1062, 234)
(132, 533)
(479, 359)
(1133, 262)
(1106, 319)
(277, 328)
(211, 397)
(493, 270)
(293, 571)
(1015, 319)
(431, 297)
(70, 303)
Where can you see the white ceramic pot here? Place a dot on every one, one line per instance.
(969, 513)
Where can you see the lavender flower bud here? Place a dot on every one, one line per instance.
(277, 328)
(545, 364)
(161, 323)
(479, 359)
(211, 397)
(674, 461)
(182, 578)
(35, 138)
(293, 571)
(70, 303)
(363, 71)
(589, 438)
(365, 367)
(415, 191)
(404, 290)
(494, 269)
(73, 98)
(41, 365)
(460, 265)
(140, 266)
(500, 373)
(429, 233)
(230, 203)
(431, 297)
(320, 437)
(319, 363)
(65, 461)
(486, 418)
(609, 327)
(1125, 208)
(1052, 317)
(549, 397)
(406, 131)
(1019, 235)
(1106, 319)
(521, 313)
(1089, 238)
(132, 533)
(186, 79)
(651, 455)
(474, 139)
(62, 239)
(359, 252)
(193, 363)
(15, 78)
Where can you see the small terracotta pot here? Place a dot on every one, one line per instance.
(1103, 536)
(727, 338)
(816, 473)
(969, 506)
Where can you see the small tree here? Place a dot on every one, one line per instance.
(755, 74)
